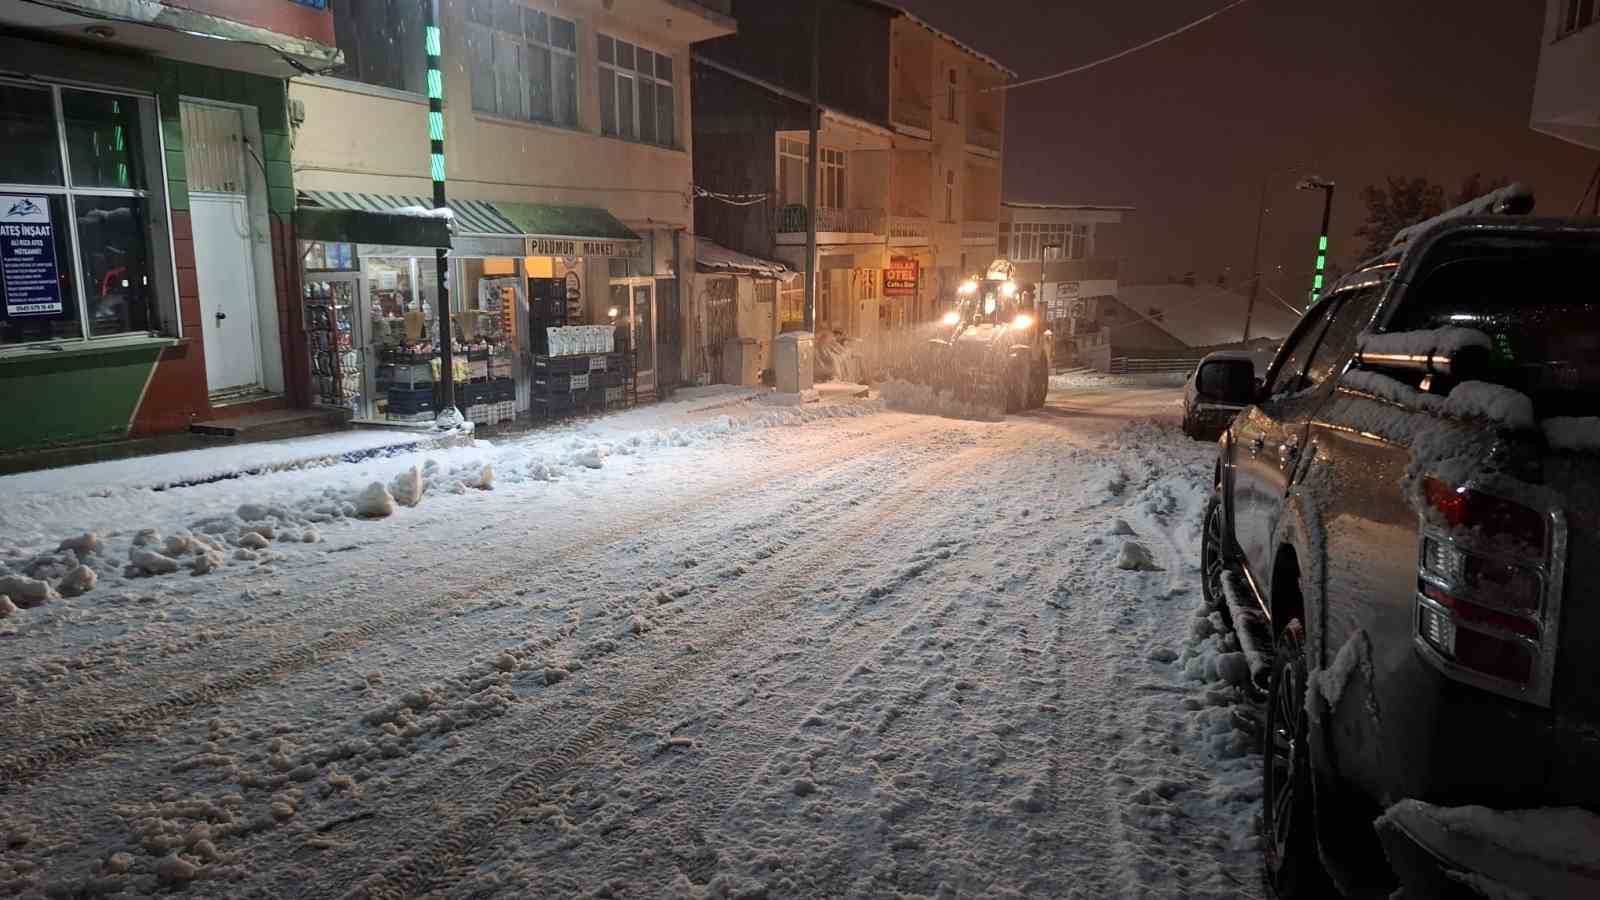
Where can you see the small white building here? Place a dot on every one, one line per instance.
(1566, 98)
(1071, 251)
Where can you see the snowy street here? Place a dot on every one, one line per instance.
(708, 648)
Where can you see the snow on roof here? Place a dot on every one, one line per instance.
(711, 256)
(1207, 316)
(1091, 207)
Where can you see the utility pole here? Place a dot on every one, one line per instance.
(1313, 183)
(1255, 261)
(811, 166)
(449, 416)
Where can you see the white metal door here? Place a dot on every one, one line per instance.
(226, 270)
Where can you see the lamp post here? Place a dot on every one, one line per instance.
(1313, 183)
(449, 416)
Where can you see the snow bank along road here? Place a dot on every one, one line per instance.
(835, 652)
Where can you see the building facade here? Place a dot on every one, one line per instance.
(1566, 100)
(568, 153)
(902, 193)
(147, 192)
(1071, 251)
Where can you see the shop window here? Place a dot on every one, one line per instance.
(81, 236)
(382, 42)
(637, 102)
(792, 304)
(523, 62)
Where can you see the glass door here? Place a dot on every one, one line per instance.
(644, 336)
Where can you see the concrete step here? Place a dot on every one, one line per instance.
(273, 425)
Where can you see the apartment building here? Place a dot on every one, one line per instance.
(909, 155)
(1072, 252)
(1566, 99)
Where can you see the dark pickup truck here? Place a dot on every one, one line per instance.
(1406, 530)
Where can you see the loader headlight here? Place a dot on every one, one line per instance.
(1022, 320)
(952, 318)
(969, 287)
(988, 305)
(1008, 290)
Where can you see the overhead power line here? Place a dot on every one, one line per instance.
(1116, 56)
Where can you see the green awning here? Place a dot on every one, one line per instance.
(571, 230)
(357, 226)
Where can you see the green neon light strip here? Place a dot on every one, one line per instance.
(1322, 262)
(438, 167)
(435, 126)
(433, 41)
(435, 85)
(1316, 285)
(1322, 244)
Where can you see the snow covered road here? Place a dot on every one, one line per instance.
(835, 652)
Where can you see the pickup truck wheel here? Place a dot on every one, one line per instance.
(1288, 811)
(1214, 554)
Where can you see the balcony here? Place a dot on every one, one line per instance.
(834, 226)
(910, 231)
(980, 233)
(982, 138)
(913, 112)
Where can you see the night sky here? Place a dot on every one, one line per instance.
(1352, 90)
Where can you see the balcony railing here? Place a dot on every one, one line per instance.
(979, 232)
(910, 230)
(914, 111)
(979, 136)
(792, 220)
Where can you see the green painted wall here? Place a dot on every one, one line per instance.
(268, 95)
(75, 396)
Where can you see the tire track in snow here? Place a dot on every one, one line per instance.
(83, 728)
(452, 849)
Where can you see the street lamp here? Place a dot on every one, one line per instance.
(1313, 183)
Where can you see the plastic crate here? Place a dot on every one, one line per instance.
(562, 383)
(407, 401)
(474, 394)
(500, 367)
(407, 374)
(504, 390)
(615, 395)
(478, 368)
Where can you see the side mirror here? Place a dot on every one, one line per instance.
(1228, 381)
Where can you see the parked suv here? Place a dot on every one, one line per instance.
(1406, 532)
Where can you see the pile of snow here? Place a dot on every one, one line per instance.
(1468, 400)
(1551, 852)
(1088, 379)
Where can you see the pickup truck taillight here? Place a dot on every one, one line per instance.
(1489, 585)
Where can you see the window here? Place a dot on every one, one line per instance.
(1080, 242)
(950, 195)
(382, 41)
(951, 98)
(831, 181)
(523, 62)
(1005, 241)
(1339, 341)
(791, 172)
(792, 304)
(1288, 375)
(637, 102)
(1579, 14)
(76, 222)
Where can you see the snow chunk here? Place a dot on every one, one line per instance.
(1492, 402)
(176, 869)
(422, 212)
(1434, 342)
(485, 479)
(1581, 435)
(592, 458)
(83, 545)
(6, 606)
(1330, 684)
(251, 540)
(1136, 558)
(151, 562)
(27, 592)
(1121, 528)
(178, 545)
(375, 502)
(146, 536)
(207, 562)
(80, 580)
(408, 486)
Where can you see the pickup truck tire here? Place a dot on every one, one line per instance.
(1214, 555)
(1288, 812)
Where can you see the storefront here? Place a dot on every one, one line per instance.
(372, 305)
(144, 205)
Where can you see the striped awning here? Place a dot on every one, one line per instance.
(470, 217)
